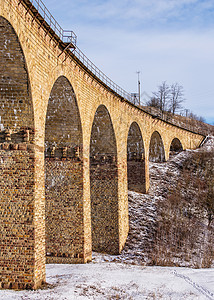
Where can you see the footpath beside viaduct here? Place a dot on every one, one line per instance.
(71, 145)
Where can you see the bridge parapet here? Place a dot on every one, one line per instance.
(38, 8)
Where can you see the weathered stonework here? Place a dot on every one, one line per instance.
(64, 177)
(136, 160)
(17, 230)
(64, 211)
(52, 113)
(104, 184)
(156, 148)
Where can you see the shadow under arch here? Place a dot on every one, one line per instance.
(156, 148)
(64, 175)
(104, 184)
(16, 113)
(17, 170)
(175, 146)
(135, 160)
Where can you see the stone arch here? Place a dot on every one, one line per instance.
(16, 113)
(135, 160)
(104, 184)
(17, 169)
(64, 175)
(156, 148)
(175, 146)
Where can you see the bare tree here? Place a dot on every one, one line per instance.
(163, 96)
(168, 98)
(153, 102)
(176, 97)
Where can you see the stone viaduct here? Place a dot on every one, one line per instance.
(70, 147)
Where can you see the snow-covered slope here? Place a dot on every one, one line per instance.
(139, 248)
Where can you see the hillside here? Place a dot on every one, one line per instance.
(169, 225)
(185, 122)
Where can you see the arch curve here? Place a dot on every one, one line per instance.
(64, 175)
(175, 146)
(156, 148)
(104, 183)
(135, 159)
(18, 166)
(63, 124)
(16, 113)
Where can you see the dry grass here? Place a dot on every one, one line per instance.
(186, 122)
(184, 233)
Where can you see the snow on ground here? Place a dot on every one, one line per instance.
(209, 143)
(120, 281)
(126, 276)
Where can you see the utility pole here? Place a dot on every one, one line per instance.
(138, 73)
(186, 110)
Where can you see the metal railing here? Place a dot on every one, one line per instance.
(65, 35)
(99, 74)
(68, 36)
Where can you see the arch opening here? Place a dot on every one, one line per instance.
(64, 175)
(156, 148)
(135, 160)
(104, 184)
(175, 147)
(17, 169)
(16, 114)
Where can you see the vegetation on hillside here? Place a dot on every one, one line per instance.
(185, 217)
(167, 104)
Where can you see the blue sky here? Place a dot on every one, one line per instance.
(167, 40)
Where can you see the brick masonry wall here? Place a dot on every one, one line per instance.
(156, 148)
(104, 207)
(64, 177)
(16, 105)
(104, 184)
(136, 160)
(62, 127)
(176, 145)
(136, 176)
(20, 255)
(17, 241)
(64, 210)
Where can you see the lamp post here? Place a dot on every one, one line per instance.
(138, 73)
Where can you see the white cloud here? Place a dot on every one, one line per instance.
(135, 13)
(183, 57)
